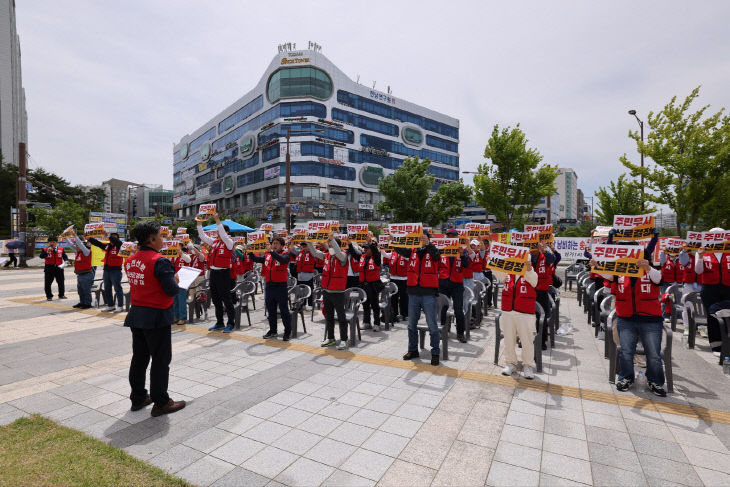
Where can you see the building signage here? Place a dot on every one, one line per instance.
(295, 150)
(298, 60)
(366, 206)
(228, 184)
(376, 95)
(342, 154)
(331, 161)
(272, 172)
(370, 176)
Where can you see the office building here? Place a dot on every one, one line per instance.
(118, 192)
(152, 200)
(344, 137)
(567, 183)
(13, 117)
(548, 211)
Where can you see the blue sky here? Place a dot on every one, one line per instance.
(110, 86)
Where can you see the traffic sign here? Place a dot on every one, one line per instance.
(269, 218)
(295, 207)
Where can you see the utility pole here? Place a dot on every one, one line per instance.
(22, 201)
(288, 184)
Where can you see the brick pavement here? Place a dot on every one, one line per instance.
(263, 415)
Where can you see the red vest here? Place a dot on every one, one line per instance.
(111, 258)
(82, 262)
(237, 267)
(453, 272)
(177, 262)
(686, 273)
(221, 256)
(354, 263)
(468, 271)
(476, 264)
(198, 263)
(305, 262)
(398, 265)
(423, 273)
(334, 274)
(319, 263)
(273, 270)
(669, 271)
(369, 272)
(544, 273)
(54, 257)
(246, 263)
(714, 272)
(144, 288)
(642, 300)
(523, 300)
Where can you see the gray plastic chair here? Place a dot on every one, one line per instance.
(675, 297)
(469, 302)
(696, 315)
(298, 297)
(354, 297)
(385, 303)
(243, 290)
(571, 274)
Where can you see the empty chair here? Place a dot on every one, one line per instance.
(354, 297)
(696, 315)
(675, 297)
(298, 297)
(588, 299)
(598, 297)
(442, 302)
(243, 290)
(291, 282)
(385, 303)
(468, 308)
(723, 318)
(318, 295)
(480, 291)
(571, 274)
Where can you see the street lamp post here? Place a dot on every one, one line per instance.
(288, 173)
(641, 129)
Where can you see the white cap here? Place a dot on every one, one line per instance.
(717, 229)
(474, 242)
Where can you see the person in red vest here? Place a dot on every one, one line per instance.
(354, 253)
(305, 263)
(220, 260)
(276, 294)
(518, 318)
(398, 266)
(713, 273)
(84, 273)
(55, 258)
(543, 262)
(334, 283)
(669, 269)
(112, 271)
(180, 301)
(370, 281)
(639, 313)
(451, 284)
(423, 288)
(484, 252)
(152, 288)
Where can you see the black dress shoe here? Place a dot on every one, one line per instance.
(285, 338)
(410, 355)
(168, 408)
(461, 337)
(143, 404)
(77, 305)
(62, 297)
(270, 334)
(85, 306)
(434, 359)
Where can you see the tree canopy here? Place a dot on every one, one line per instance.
(408, 196)
(512, 183)
(620, 197)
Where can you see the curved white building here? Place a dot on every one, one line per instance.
(347, 136)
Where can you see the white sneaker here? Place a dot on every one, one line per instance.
(342, 345)
(118, 309)
(109, 309)
(716, 354)
(527, 372)
(376, 328)
(509, 369)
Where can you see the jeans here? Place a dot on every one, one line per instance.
(629, 332)
(428, 305)
(180, 305)
(277, 296)
(456, 293)
(155, 344)
(83, 287)
(113, 277)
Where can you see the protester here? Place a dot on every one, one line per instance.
(476, 260)
(468, 269)
(518, 319)
(305, 270)
(451, 284)
(152, 287)
(484, 253)
(543, 263)
(354, 252)
(370, 281)
(180, 301)
(84, 272)
(220, 261)
(112, 276)
(274, 271)
(334, 282)
(55, 260)
(422, 291)
(713, 273)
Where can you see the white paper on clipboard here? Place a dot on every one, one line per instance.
(187, 275)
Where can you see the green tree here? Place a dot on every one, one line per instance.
(691, 159)
(53, 221)
(582, 230)
(8, 184)
(249, 221)
(620, 197)
(513, 182)
(408, 196)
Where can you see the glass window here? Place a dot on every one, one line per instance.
(399, 148)
(209, 134)
(330, 133)
(442, 143)
(412, 136)
(241, 114)
(364, 122)
(306, 81)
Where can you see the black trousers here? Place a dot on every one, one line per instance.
(399, 301)
(353, 281)
(155, 344)
(372, 303)
(334, 303)
(456, 293)
(13, 260)
(544, 301)
(711, 294)
(277, 297)
(52, 273)
(489, 294)
(220, 293)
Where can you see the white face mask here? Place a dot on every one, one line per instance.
(332, 251)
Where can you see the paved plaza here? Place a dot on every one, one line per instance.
(294, 414)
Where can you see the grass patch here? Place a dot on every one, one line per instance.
(36, 451)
